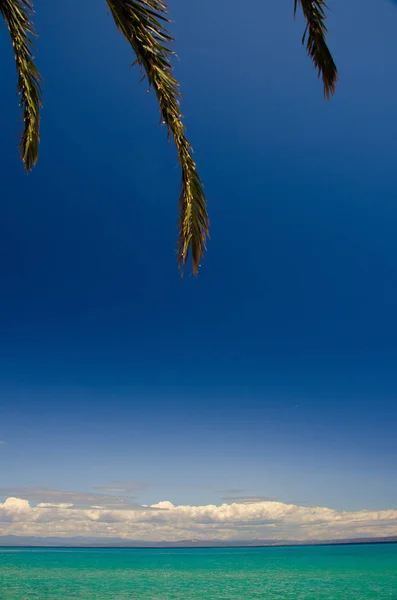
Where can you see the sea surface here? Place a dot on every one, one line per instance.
(356, 572)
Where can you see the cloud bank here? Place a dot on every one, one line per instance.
(165, 521)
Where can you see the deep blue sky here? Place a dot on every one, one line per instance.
(274, 372)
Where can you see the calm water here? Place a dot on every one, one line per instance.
(315, 573)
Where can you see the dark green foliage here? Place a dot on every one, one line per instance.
(143, 24)
(316, 45)
(17, 15)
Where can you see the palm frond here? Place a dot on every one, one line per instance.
(143, 23)
(314, 12)
(18, 16)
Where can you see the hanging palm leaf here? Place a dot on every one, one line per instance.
(143, 24)
(316, 45)
(18, 16)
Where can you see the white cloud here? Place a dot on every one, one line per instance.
(59, 497)
(245, 499)
(165, 521)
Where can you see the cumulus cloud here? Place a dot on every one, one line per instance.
(83, 499)
(165, 521)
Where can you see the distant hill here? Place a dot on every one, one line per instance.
(83, 542)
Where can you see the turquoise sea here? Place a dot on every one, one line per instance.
(357, 572)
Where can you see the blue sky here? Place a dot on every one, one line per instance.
(273, 372)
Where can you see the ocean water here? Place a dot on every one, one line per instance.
(360, 572)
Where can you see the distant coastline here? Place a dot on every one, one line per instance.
(37, 542)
